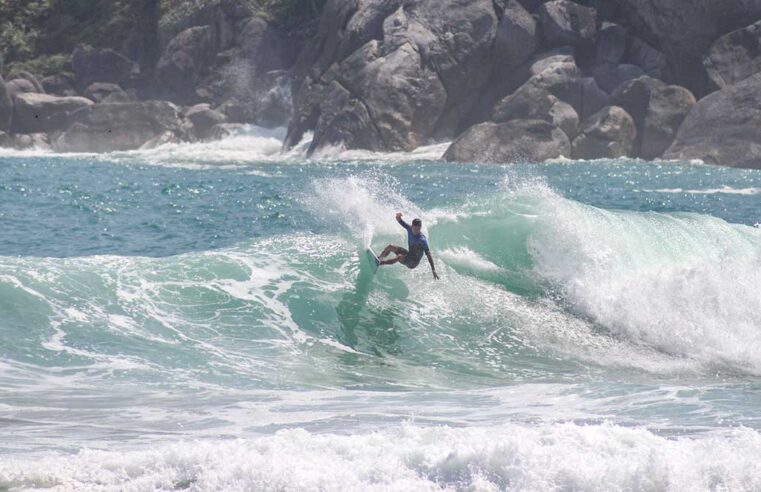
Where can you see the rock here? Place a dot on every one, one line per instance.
(608, 78)
(225, 130)
(517, 37)
(103, 92)
(267, 47)
(6, 141)
(43, 113)
(649, 59)
(510, 142)
(6, 107)
(557, 57)
(536, 103)
(735, 56)
(20, 86)
(224, 18)
(686, 30)
(119, 127)
(184, 63)
(102, 65)
(32, 79)
(274, 106)
(610, 44)
(390, 75)
(38, 141)
(609, 133)
(593, 99)
(61, 84)
(567, 23)
(723, 128)
(658, 110)
(204, 119)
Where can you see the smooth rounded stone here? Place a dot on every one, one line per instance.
(549, 59)
(658, 110)
(20, 86)
(39, 113)
(723, 128)
(123, 126)
(735, 56)
(204, 119)
(184, 62)
(609, 77)
(610, 44)
(593, 98)
(236, 111)
(61, 84)
(517, 36)
(102, 65)
(649, 59)
(609, 133)
(536, 103)
(567, 23)
(6, 107)
(104, 92)
(510, 142)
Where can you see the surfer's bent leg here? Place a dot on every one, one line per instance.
(389, 249)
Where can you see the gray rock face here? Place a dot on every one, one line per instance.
(658, 110)
(184, 63)
(567, 23)
(609, 133)
(536, 103)
(610, 77)
(723, 128)
(649, 59)
(266, 47)
(19, 86)
(510, 142)
(103, 92)
(102, 65)
(6, 107)
(735, 57)
(517, 37)
(32, 79)
(390, 75)
(685, 31)
(118, 127)
(224, 18)
(204, 119)
(610, 44)
(42, 113)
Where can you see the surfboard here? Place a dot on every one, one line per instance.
(374, 261)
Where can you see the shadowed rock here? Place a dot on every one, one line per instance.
(658, 110)
(40, 113)
(735, 57)
(510, 142)
(125, 126)
(6, 107)
(20, 86)
(723, 128)
(184, 62)
(609, 133)
(567, 23)
(103, 92)
(535, 103)
(102, 65)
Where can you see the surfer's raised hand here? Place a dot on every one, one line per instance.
(398, 216)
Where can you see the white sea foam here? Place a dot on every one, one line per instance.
(412, 458)
(724, 190)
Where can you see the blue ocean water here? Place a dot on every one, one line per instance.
(200, 317)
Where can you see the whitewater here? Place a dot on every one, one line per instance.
(202, 317)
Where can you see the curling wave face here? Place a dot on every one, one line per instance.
(573, 324)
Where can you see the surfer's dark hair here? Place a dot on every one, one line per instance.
(417, 222)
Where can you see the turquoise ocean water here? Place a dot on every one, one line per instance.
(199, 317)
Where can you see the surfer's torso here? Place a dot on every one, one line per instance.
(417, 245)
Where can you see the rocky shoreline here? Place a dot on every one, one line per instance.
(504, 80)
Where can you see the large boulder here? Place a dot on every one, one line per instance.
(609, 133)
(19, 86)
(735, 57)
(564, 22)
(102, 65)
(223, 17)
(610, 44)
(390, 75)
(686, 30)
(122, 126)
(649, 59)
(266, 46)
(42, 113)
(658, 110)
(536, 103)
(517, 36)
(6, 107)
(184, 63)
(32, 79)
(723, 128)
(204, 119)
(510, 142)
(610, 77)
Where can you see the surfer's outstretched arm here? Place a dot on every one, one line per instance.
(401, 221)
(430, 262)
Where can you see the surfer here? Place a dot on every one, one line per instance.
(417, 245)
